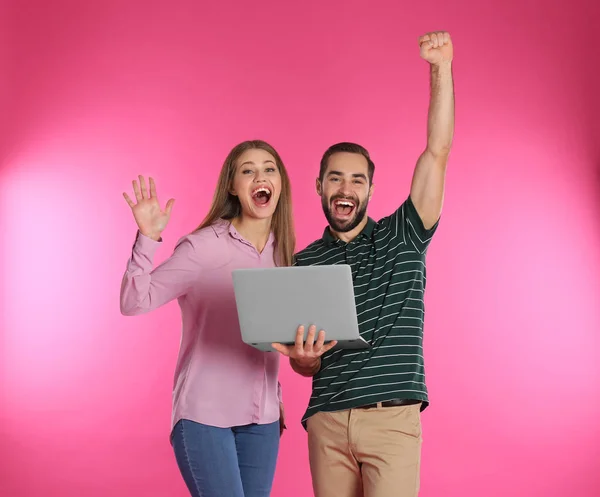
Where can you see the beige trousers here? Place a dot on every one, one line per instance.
(366, 452)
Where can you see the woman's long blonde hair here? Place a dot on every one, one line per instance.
(227, 206)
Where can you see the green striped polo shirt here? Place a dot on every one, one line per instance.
(388, 270)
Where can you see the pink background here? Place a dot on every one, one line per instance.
(94, 93)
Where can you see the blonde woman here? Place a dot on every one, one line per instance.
(227, 406)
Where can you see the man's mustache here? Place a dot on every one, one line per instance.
(344, 197)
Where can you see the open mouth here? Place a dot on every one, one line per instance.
(261, 196)
(343, 208)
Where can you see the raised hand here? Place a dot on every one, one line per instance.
(436, 48)
(309, 352)
(150, 218)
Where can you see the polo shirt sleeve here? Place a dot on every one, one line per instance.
(406, 224)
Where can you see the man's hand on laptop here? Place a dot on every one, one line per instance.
(305, 357)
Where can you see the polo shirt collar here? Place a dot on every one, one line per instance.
(367, 231)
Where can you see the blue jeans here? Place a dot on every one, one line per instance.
(226, 462)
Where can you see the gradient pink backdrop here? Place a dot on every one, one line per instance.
(94, 93)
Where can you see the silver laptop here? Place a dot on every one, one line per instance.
(273, 302)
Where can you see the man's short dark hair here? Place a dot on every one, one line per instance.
(353, 148)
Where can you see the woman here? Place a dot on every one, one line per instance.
(227, 406)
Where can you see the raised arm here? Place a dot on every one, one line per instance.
(144, 288)
(427, 189)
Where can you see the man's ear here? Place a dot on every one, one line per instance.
(319, 187)
(371, 188)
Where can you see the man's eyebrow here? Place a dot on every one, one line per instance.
(354, 175)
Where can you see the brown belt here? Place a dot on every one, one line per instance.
(391, 403)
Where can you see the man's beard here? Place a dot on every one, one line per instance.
(360, 211)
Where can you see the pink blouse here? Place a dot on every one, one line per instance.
(219, 380)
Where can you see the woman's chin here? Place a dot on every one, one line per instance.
(256, 210)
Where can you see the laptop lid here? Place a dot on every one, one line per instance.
(273, 302)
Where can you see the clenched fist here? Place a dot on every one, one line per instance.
(436, 48)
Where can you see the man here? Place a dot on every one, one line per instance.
(363, 418)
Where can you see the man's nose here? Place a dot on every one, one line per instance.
(345, 188)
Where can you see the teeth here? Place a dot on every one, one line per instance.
(262, 189)
(344, 203)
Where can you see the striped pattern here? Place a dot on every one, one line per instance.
(388, 270)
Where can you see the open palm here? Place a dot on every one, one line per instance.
(150, 218)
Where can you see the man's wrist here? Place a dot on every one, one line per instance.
(444, 65)
(306, 368)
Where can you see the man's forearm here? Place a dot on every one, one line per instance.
(307, 370)
(440, 123)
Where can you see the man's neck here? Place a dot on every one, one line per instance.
(348, 236)
(255, 231)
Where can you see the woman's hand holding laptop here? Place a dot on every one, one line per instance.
(305, 358)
